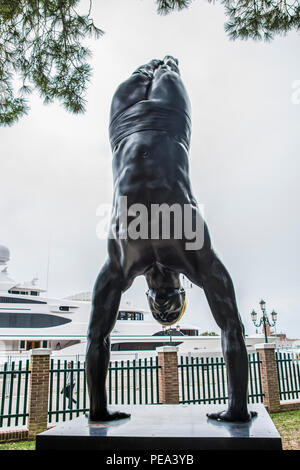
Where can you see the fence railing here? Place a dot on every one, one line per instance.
(14, 381)
(128, 382)
(288, 370)
(67, 390)
(201, 380)
(204, 380)
(134, 382)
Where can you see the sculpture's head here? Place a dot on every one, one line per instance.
(167, 304)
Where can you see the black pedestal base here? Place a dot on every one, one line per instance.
(164, 427)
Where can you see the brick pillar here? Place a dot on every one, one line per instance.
(38, 391)
(269, 377)
(268, 328)
(168, 375)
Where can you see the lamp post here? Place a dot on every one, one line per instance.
(264, 319)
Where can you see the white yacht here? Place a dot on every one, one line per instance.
(30, 319)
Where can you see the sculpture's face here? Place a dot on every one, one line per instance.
(166, 304)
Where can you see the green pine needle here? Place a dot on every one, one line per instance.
(41, 43)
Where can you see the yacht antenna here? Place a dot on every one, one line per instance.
(48, 262)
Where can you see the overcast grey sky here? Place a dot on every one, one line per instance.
(56, 167)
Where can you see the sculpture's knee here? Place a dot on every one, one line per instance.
(97, 339)
(233, 329)
(233, 337)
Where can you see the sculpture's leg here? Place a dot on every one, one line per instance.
(134, 89)
(168, 88)
(220, 294)
(105, 304)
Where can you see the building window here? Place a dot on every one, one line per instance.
(32, 345)
(45, 344)
(130, 316)
(190, 332)
(22, 344)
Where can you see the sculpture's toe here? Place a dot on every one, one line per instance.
(170, 63)
(170, 58)
(155, 63)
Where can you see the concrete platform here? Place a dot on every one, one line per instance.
(164, 427)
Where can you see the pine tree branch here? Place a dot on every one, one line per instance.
(40, 41)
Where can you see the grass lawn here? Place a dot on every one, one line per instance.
(20, 445)
(288, 426)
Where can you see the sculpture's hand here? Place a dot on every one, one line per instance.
(232, 416)
(108, 416)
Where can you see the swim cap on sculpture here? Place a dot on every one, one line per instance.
(167, 304)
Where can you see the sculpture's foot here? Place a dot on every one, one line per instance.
(148, 69)
(107, 416)
(154, 63)
(232, 416)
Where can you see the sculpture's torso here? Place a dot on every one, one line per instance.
(151, 167)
